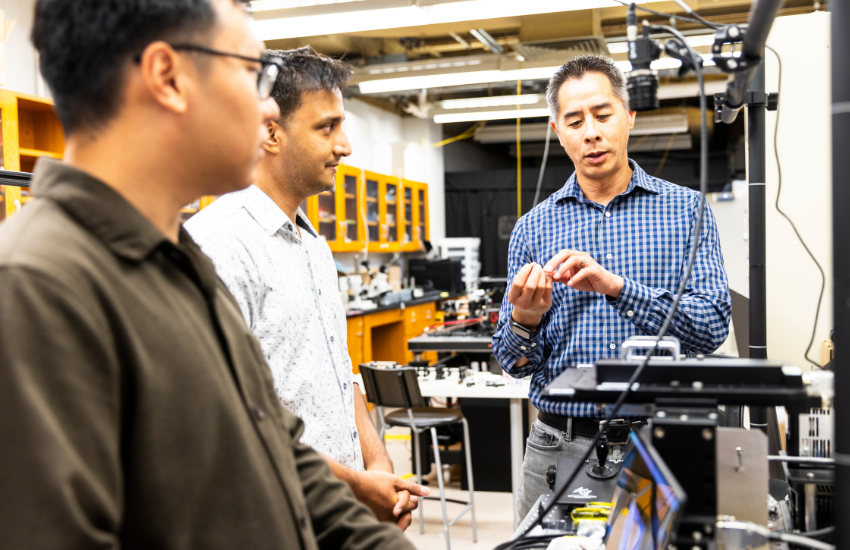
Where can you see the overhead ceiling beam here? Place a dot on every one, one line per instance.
(369, 15)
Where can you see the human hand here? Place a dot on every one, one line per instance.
(403, 508)
(531, 295)
(580, 271)
(404, 521)
(382, 492)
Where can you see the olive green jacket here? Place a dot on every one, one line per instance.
(136, 410)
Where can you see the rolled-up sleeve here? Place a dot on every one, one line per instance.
(509, 347)
(701, 322)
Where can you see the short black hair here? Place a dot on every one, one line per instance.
(304, 71)
(575, 69)
(84, 47)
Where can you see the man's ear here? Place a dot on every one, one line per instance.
(165, 77)
(632, 115)
(273, 142)
(555, 128)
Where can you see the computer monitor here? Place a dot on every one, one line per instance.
(648, 500)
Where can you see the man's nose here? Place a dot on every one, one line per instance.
(269, 111)
(591, 132)
(343, 146)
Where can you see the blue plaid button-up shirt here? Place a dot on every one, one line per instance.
(644, 235)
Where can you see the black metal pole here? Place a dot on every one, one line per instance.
(841, 259)
(756, 175)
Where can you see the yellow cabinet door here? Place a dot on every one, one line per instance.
(350, 210)
(421, 213)
(409, 240)
(382, 212)
(355, 342)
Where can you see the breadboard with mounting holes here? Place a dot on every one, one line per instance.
(816, 433)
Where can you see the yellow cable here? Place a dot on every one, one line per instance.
(466, 134)
(518, 158)
(664, 158)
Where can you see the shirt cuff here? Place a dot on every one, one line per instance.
(634, 303)
(515, 346)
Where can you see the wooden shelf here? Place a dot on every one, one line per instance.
(393, 203)
(371, 223)
(38, 153)
(350, 196)
(371, 199)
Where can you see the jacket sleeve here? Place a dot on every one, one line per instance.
(59, 419)
(701, 321)
(338, 519)
(508, 347)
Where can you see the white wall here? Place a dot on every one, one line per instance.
(804, 144)
(805, 151)
(386, 143)
(21, 62)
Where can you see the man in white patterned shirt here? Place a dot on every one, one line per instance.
(284, 278)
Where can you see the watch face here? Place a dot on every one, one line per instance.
(522, 331)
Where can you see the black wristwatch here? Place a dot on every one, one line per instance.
(523, 331)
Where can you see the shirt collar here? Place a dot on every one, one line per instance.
(98, 208)
(639, 178)
(268, 214)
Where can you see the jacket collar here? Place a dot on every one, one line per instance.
(98, 208)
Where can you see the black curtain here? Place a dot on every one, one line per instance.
(483, 203)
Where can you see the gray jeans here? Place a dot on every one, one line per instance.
(545, 445)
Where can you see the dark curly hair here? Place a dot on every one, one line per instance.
(304, 71)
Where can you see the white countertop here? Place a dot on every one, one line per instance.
(449, 387)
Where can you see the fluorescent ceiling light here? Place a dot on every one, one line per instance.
(493, 101)
(484, 77)
(490, 115)
(665, 63)
(267, 5)
(415, 15)
(453, 79)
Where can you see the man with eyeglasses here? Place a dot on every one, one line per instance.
(136, 410)
(284, 278)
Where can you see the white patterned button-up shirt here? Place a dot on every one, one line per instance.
(288, 291)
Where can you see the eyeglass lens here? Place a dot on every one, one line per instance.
(266, 79)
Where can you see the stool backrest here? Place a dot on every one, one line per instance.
(392, 387)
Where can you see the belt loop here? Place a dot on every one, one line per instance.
(568, 435)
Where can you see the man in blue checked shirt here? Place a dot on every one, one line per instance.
(599, 261)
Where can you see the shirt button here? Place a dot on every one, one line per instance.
(320, 292)
(302, 520)
(630, 313)
(523, 348)
(332, 338)
(533, 345)
(613, 346)
(259, 414)
(609, 256)
(607, 214)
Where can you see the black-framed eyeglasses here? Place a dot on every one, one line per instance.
(265, 78)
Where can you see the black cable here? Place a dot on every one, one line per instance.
(541, 541)
(698, 18)
(784, 215)
(696, 60)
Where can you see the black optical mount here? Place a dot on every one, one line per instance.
(601, 470)
(750, 99)
(642, 81)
